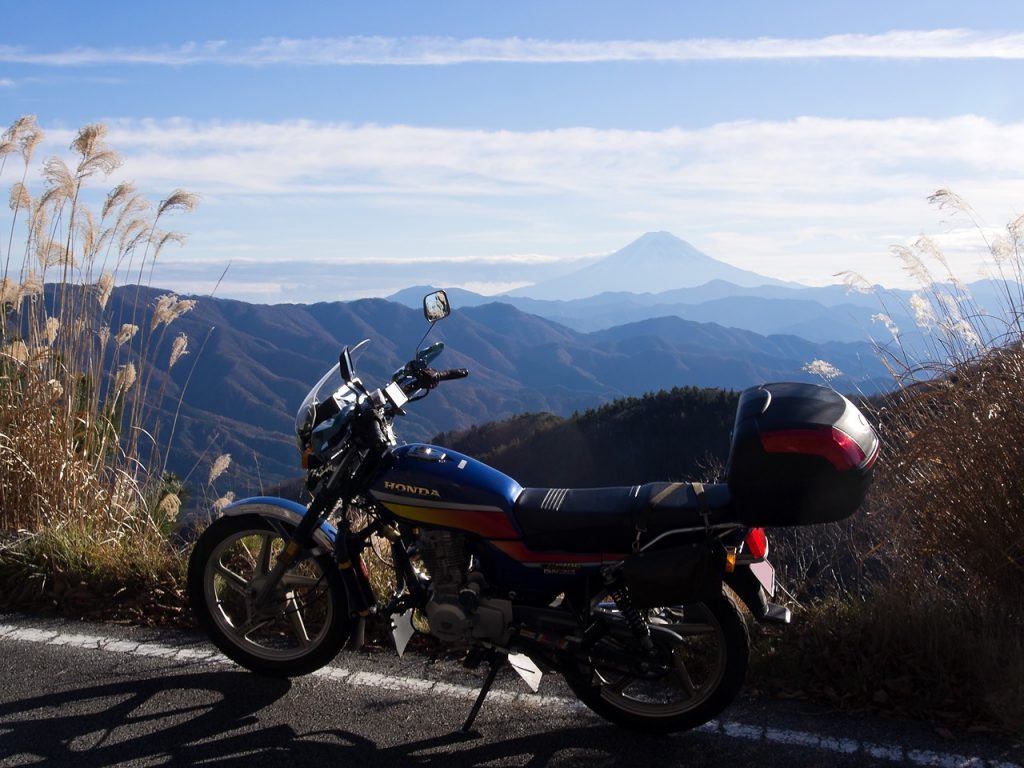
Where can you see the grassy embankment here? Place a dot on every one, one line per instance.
(914, 606)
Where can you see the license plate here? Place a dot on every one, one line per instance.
(765, 574)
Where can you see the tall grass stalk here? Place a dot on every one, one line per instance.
(75, 375)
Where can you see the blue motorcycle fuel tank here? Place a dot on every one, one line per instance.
(439, 487)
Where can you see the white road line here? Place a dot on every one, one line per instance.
(891, 752)
(728, 728)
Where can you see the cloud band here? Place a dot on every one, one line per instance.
(442, 51)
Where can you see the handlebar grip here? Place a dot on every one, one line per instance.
(453, 373)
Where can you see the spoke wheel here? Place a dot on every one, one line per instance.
(301, 624)
(700, 658)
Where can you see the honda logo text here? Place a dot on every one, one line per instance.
(414, 490)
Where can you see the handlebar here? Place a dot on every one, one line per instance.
(426, 378)
(452, 373)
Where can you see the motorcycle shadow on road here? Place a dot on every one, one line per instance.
(228, 718)
(192, 717)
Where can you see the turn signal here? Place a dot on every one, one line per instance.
(730, 562)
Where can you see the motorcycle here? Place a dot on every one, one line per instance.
(632, 594)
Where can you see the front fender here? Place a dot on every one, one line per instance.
(284, 510)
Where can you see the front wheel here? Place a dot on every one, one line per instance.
(697, 667)
(301, 625)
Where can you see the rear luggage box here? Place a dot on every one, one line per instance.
(800, 454)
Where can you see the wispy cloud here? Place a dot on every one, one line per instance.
(827, 163)
(500, 259)
(441, 51)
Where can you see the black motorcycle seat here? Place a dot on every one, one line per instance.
(607, 519)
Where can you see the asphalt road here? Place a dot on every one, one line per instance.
(100, 695)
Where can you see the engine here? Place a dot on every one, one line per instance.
(456, 611)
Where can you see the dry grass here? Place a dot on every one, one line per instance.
(76, 496)
(916, 605)
(903, 652)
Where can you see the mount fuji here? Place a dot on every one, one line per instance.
(657, 261)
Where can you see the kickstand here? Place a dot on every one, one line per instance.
(496, 661)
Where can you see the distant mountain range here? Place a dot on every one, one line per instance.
(817, 314)
(659, 275)
(823, 314)
(252, 364)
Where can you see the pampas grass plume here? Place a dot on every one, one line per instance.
(179, 200)
(20, 197)
(52, 326)
(104, 287)
(219, 467)
(125, 377)
(179, 348)
(126, 333)
(223, 501)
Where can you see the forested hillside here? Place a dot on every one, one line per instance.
(679, 434)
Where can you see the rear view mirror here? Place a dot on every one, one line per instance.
(436, 306)
(346, 367)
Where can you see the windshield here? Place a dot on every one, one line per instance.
(330, 384)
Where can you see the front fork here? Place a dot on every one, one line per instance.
(348, 551)
(302, 537)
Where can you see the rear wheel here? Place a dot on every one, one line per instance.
(698, 665)
(303, 623)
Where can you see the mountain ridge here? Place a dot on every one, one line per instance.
(819, 314)
(257, 362)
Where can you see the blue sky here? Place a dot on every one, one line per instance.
(349, 149)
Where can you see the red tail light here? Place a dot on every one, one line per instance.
(828, 442)
(757, 543)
